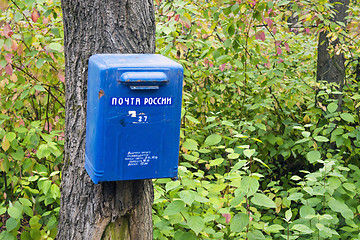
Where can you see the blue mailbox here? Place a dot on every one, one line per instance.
(133, 117)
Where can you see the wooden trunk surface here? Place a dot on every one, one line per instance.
(112, 210)
(332, 68)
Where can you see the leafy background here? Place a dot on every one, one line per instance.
(267, 152)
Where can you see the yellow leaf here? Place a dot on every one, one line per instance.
(243, 8)
(5, 144)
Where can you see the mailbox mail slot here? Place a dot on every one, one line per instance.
(133, 117)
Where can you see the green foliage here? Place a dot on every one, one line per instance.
(31, 118)
(267, 151)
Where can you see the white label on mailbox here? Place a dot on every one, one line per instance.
(141, 101)
(132, 113)
(138, 118)
(139, 158)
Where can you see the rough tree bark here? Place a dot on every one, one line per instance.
(332, 68)
(112, 210)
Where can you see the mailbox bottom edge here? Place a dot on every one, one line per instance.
(95, 175)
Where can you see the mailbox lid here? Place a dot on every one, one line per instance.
(150, 61)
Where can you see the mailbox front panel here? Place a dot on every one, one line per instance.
(133, 117)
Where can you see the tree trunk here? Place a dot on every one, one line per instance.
(109, 210)
(332, 68)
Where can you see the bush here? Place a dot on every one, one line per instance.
(265, 151)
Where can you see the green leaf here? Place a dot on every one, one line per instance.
(43, 151)
(54, 149)
(227, 123)
(44, 185)
(28, 211)
(21, 129)
(25, 202)
(249, 152)
(55, 191)
(196, 223)
(54, 173)
(313, 156)
(243, 146)
(11, 224)
(299, 128)
(188, 196)
(216, 162)
(190, 157)
(231, 30)
(305, 134)
(347, 117)
(321, 139)
(34, 222)
(210, 119)
(8, 236)
(350, 187)
(237, 200)
(239, 165)
(274, 228)
(33, 178)
(249, 185)
(40, 62)
(39, 88)
(260, 161)
(18, 155)
(55, 46)
(201, 199)
(302, 140)
(227, 44)
(174, 207)
(2, 210)
(181, 235)
(255, 235)
(10, 136)
(306, 211)
(190, 144)
(52, 223)
(15, 212)
(303, 229)
(166, 30)
(340, 207)
(8, 42)
(288, 215)
(213, 139)
(295, 178)
(332, 107)
(233, 156)
(263, 200)
(171, 185)
(17, 17)
(192, 119)
(261, 126)
(239, 222)
(35, 234)
(295, 196)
